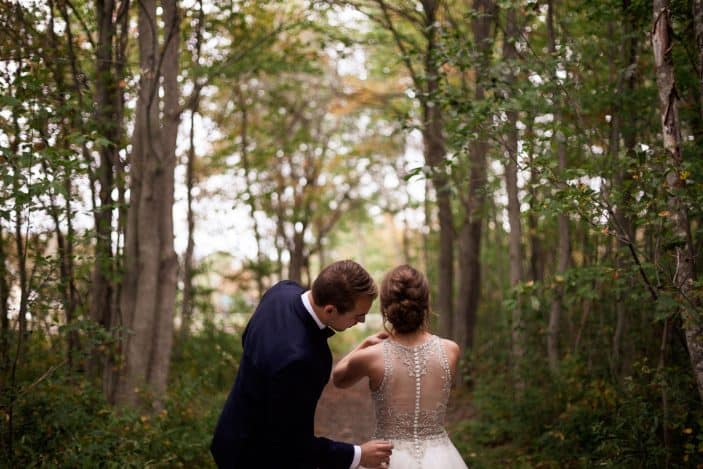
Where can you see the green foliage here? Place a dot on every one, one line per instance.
(578, 420)
(64, 421)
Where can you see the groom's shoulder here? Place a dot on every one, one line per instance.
(284, 288)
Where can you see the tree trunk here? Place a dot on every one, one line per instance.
(427, 212)
(474, 203)
(511, 184)
(109, 112)
(149, 286)
(536, 256)
(668, 106)
(297, 257)
(435, 151)
(625, 85)
(107, 122)
(4, 311)
(21, 241)
(251, 198)
(698, 28)
(187, 302)
(564, 249)
(64, 245)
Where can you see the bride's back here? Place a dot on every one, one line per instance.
(412, 399)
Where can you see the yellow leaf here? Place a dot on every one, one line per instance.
(688, 431)
(664, 213)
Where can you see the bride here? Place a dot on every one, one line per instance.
(410, 375)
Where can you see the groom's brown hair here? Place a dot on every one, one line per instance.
(341, 283)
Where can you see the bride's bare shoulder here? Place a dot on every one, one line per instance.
(371, 353)
(452, 349)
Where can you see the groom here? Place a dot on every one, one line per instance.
(268, 418)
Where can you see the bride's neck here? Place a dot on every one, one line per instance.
(410, 338)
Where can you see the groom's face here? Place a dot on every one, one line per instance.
(340, 322)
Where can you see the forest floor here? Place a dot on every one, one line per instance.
(347, 414)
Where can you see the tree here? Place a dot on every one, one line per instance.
(564, 249)
(676, 181)
(148, 292)
(512, 33)
(474, 200)
(110, 74)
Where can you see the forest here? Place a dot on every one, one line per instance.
(163, 163)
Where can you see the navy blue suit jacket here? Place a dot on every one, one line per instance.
(268, 418)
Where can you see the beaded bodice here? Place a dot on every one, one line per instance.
(411, 402)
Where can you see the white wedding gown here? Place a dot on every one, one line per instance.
(410, 405)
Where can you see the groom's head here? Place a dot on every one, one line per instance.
(344, 291)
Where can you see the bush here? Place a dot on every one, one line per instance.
(66, 422)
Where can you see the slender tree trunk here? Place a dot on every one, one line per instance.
(187, 301)
(426, 205)
(536, 256)
(21, 242)
(297, 257)
(109, 111)
(107, 120)
(249, 180)
(64, 245)
(187, 305)
(698, 28)
(668, 106)
(149, 287)
(64, 242)
(435, 152)
(469, 293)
(564, 249)
(625, 85)
(511, 168)
(4, 311)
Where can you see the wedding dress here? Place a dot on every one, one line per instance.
(410, 405)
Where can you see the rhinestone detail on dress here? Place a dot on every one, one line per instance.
(417, 425)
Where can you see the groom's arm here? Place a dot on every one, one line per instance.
(292, 398)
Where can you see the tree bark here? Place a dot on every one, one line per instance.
(536, 255)
(435, 152)
(4, 310)
(149, 287)
(109, 113)
(511, 166)
(625, 85)
(187, 301)
(469, 293)
(107, 122)
(698, 28)
(671, 132)
(297, 257)
(251, 197)
(564, 248)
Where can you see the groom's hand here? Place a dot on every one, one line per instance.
(374, 339)
(375, 453)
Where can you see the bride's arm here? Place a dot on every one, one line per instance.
(355, 365)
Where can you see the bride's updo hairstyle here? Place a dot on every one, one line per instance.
(405, 299)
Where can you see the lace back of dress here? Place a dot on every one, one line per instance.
(411, 402)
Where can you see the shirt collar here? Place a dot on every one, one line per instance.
(308, 307)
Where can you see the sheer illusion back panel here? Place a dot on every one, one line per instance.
(412, 399)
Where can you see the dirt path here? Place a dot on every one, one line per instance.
(345, 414)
